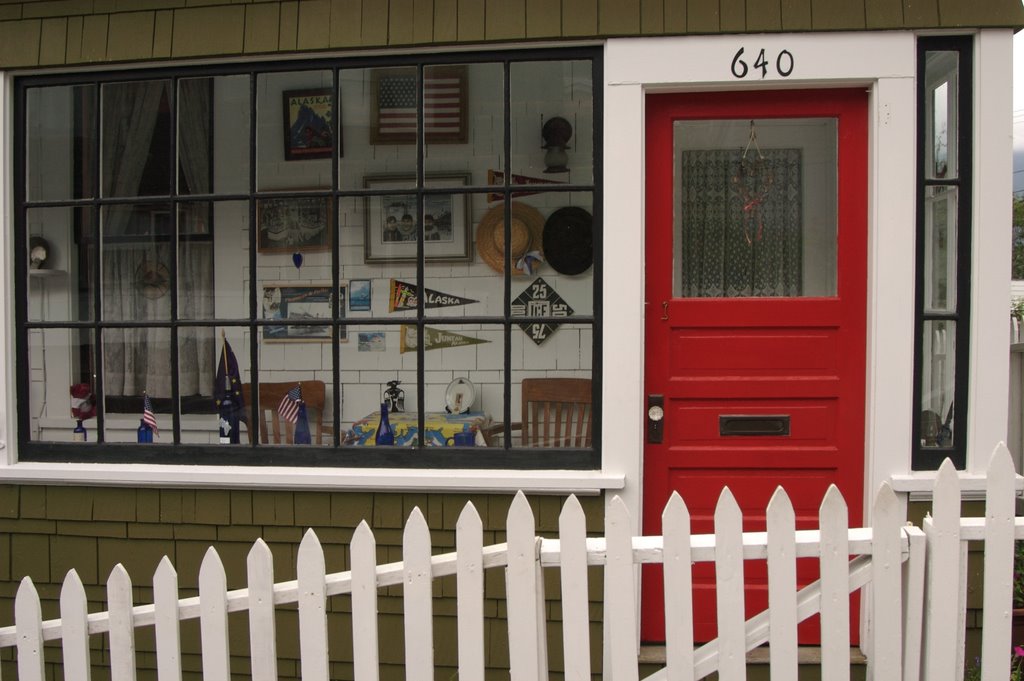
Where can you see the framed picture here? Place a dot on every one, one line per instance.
(393, 222)
(359, 295)
(394, 93)
(294, 223)
(308, 124)
(286, 301)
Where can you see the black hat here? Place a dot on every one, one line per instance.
(568, 240)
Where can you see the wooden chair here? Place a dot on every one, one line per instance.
(556, 412)
(273, 428)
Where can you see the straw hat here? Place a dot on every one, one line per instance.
(527, 249)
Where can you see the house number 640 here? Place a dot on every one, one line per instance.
(783, 64)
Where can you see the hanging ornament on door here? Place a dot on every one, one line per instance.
(297, 259)
(753, 180)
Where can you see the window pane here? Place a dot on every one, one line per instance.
(940, 239)
(60, 252)
(370, 357)
(938, 373)
(213, 135)
(378, 117)
(464, 120)
(294, 152)
(557, 370)
(136, 254)
(136, 152)
(305, 360)
(229, 226)
(198, 349)
(755, 208)
(58, 360)
(941, 84)
(553, 120)
(61, 143)
(135, 361)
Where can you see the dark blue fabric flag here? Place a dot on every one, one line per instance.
(302, 436)
(227, 394)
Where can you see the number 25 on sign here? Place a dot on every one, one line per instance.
(783, 64)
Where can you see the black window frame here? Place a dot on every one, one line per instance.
(334, 454)
(931, 457)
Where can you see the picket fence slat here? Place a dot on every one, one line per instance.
(732, 652)
(833, 519)
(910, 571)
(213, 618)
(364, 604)
(913, 603)
(311, 571)
(419, 620)
(168, 632)
(781, 523)
(74, 616)
(675, 526)
(259, 566)
(886, 588)
(122, 629)
(619, 599)
(942, 530)
(1000, 505)
(572, 535)
(28, 614)
(469, 545)
(521, 587)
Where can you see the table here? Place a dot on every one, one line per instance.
(439, 426)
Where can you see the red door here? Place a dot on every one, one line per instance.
(755, 329)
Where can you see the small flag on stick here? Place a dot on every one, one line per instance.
(289, 406)
(148, 417)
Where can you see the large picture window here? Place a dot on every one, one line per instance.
(943, 251)
(257, 258)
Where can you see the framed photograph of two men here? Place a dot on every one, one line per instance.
(309, 124)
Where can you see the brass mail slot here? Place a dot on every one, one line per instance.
(753, 424)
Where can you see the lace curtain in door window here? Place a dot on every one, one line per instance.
(741, 221)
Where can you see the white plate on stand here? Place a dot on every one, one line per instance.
(460, 395)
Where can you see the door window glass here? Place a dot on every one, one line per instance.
(755, 208)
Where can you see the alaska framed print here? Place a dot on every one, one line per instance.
(286, 302)
(293, 223)
(308, 124)
(393, 221)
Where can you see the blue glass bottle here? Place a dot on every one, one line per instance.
(302, 434)
(80, 434)
(145, 433)
(385, 435)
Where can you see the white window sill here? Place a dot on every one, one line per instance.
(279, 477)
(920, 483)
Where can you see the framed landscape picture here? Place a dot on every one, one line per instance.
(292, 302)
(293, 223)
(393, 221)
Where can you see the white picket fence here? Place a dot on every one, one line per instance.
(915, 607)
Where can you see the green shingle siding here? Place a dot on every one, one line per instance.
(58, 32)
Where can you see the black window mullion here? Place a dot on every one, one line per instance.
(336, 311)
(421, 327)
(172, 175)
(254, 369)
(506, 311)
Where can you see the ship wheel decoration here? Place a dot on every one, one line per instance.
(753, 180)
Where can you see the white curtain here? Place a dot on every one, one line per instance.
(136, 272)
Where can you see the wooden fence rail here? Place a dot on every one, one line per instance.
(915, 630)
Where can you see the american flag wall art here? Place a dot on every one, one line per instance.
(395, 97)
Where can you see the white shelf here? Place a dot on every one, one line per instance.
(46, 274)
